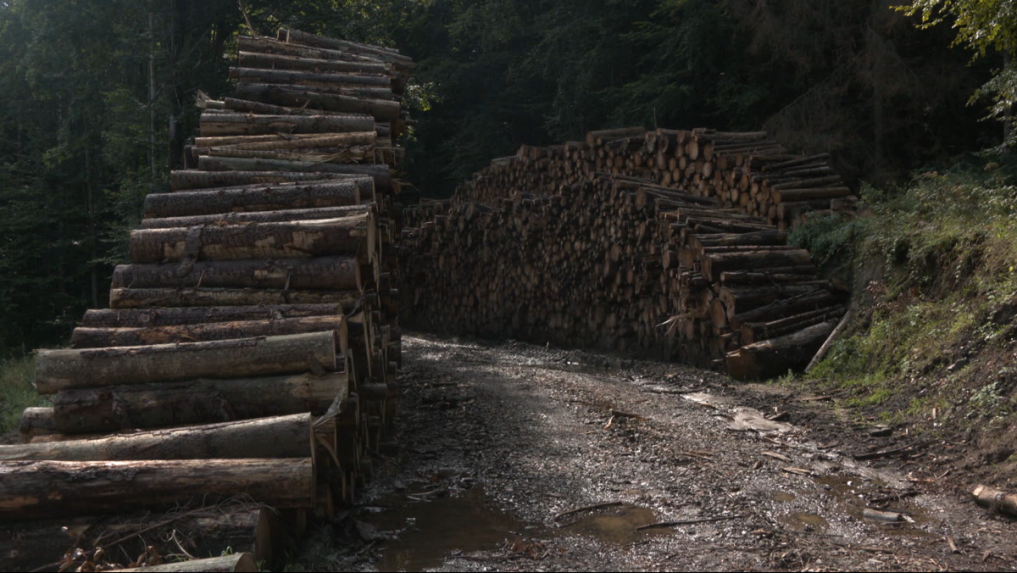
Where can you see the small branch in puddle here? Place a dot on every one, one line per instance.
(565, 514)
(665, 524)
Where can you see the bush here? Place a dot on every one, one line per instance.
(16, 391)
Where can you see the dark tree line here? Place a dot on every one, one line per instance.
(98, 100)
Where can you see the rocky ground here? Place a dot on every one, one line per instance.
(519, 457)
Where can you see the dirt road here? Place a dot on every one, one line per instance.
(505, 445)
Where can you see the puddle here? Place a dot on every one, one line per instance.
(434, 530)
(782, 496)
(854, 493)
(426, 534)
(805, 522)
(616, 525)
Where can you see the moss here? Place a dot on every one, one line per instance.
(16, 391)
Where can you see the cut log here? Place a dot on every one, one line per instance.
(57, 370)
(998, 501)
(715, 264)
(280, 62)
(259, 217)
(784, 308)
(325, 273)
(46, 489)
(256, 199)
(143, 298)
(348, 236)
(160, 317)
(362, 92)
(778, 355)
(755, 332)
(36, 422)
(380, 173)
(379, 109)
(306, 141)
(280, 437)
(223, 124)
(307, 78)
(314, 40)
(273, 46)
(108, 337)
(743, 299)
(104, 410)
(190, 180)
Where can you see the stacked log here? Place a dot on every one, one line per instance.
(252, 342)
(667, 243)
(750, 171)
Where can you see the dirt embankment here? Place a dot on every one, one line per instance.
(524, 458)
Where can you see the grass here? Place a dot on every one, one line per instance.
(16, 391)
(938, 290)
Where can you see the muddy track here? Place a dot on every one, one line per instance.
(500, 441)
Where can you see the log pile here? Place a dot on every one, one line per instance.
(545, 246)
(252, 343)
(747, 171)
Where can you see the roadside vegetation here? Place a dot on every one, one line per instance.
(16, 391)
(933, 342)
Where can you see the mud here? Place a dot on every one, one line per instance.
(503, 443)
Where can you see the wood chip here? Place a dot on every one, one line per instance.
(952, 544)
(777, 456)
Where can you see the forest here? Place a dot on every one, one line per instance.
(99, 99)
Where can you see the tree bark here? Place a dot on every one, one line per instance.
(257, 198)
(778, 355)
(105, 410)
(272, 46)
(381, 110)
(185, 180)
(325, 273)
(281, 62)
(36, 422)
(374, 94)
(132, 298)
(307, 78)
(258, 217)
(280, 437)
(715, 264)
(380, 173)
(58, 370)
(45, 489)
(349, 236)
(229, 124)
(109, 337)
(161, 317)
(288, 141)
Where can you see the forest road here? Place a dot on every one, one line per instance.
(508, 449)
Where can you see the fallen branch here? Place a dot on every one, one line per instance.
(889, 453)
(564, 514)
(830, 340)
(1005, 503)
(664, 524)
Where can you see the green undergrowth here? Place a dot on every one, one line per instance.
(934, 268)
(16, 391)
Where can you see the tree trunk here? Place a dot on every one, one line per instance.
(258, 217)
(715, 264)
(192, 180)
(279, 62)
(108, 337)
(307, 78)
(71, 369)
(46, 489)
(36, 422)
(105, 410)
(281, 437)
(380, 173)
(350, 236)
(161, 317)
(326, 273)
(778, 355)
(132, 298)
(227, 124)
(257, 198)
(288, 141)
(381, 110)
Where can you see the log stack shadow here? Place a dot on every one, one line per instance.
(671, 244)
(252, 344)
